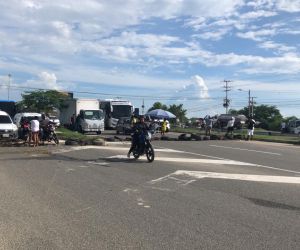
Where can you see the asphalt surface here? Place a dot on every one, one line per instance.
(195, 195)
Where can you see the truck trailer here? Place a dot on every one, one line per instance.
(82, 115)
(8, 107)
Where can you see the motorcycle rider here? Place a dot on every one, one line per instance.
(44, 126)
(138, 137)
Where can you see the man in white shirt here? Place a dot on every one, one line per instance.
(230, 126)
(35, 128)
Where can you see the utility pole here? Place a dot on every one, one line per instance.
(8, 86)
(249, 103)
(143, 106)
(252, 106)
(226, 100)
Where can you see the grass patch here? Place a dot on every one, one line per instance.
(66, 134)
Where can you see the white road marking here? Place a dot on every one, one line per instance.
(244, 149)
(206, 161)
(98, 163)
(189, 160)
(243, 177)
(177, 159)
(192, 153)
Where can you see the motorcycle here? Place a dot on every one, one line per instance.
(144, 147)
(49, 134)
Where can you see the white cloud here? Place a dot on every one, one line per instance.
(288, 5)
(257, 14)
(279, 48)
(257, 35)
(62, 28)
(45, 80)
(201, 86)
(195, 91)
(213, 35)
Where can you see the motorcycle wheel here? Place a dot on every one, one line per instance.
(150, 153)
(55, 139)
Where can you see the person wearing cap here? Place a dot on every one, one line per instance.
(251, 124)
(230, 126)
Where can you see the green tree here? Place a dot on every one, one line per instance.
(158, 105)
(42, 101)
(290, 118)
(268, 116)
(178, 111)
(234, 112)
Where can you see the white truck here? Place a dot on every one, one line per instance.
(82, 115)
(294, 127)
(114, 110)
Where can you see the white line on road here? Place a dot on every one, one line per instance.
(190, 160)
(243, 177)
(208, 161)
(97, 163)
(244, 149)
(172, 159)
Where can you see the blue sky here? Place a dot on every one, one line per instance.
(172, 51)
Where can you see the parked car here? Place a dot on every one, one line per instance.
(8, 130)
(55, 120)
(222, 121)
(20, 118)
(28, 115)
(123, 125)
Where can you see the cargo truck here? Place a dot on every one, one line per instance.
(82, 115)
(8, 106)
(114, 110)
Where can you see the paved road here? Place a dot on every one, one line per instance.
(195, 195)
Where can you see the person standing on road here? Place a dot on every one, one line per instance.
(164, 126)
(230, 126)
(73, 118)
(283, 127)
(251, 124)
(208, 125)
(35, 128)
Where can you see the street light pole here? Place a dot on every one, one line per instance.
(8, 86)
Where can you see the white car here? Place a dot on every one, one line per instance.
(28, 115)
(55, 120)
(8, 130)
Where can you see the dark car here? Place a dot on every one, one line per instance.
(223, 119)
(123, 125)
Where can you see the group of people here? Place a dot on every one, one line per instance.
(36, 128)
(152, 124)
(208, 124)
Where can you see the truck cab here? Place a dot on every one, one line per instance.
(294, 126)
(90, 121)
